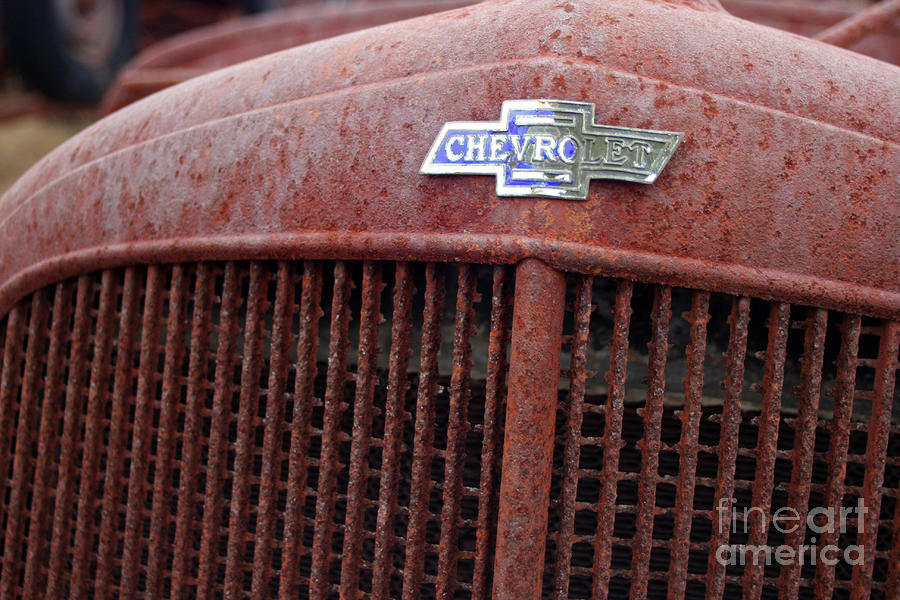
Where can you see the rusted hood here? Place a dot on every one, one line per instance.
(785, 186)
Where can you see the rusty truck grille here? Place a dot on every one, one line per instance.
(195, 431)
(709, 397)
(236, 430)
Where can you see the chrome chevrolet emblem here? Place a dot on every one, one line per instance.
(549, 148)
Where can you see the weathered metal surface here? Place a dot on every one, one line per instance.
(773, 192)
(313, 154)
(203, 50)
(868, 21)
(812, 19)
(530, 427)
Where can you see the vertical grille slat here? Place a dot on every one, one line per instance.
(115, 475)
(804, 440)
(370, 315)
(10, 386)
(456, 432)
(335, 403)
(142, 430)
(282, 338)
(876, 454)
(48, 440)
(501, 301)
(688, 444)
(729, 440)
(195, 396)
(892, 586)
(612, 439)
(423, 443)
(839, 441)
(658, 346)
(226, 354)
(393, 435)
(248, 402)
(304, 390)
(767, 442)
(23, 462)
(76, 397)
(165, 448)
(578, 374)
(83, 554)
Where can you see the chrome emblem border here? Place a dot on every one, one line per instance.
(549, 148)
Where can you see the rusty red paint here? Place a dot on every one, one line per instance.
(528, 441)
(208, 48)
(202, 50)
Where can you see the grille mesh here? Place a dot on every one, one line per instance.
(643, 457)
(145, 452)
(258, 429)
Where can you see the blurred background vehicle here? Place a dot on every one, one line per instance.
(72, 49)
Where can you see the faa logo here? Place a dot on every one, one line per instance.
(549, 148)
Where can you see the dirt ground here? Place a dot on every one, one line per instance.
(31, 126)
(25, 139)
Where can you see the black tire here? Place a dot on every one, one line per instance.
(258, 6)
(64, 61)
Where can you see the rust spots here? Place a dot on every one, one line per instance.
(710, 111)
